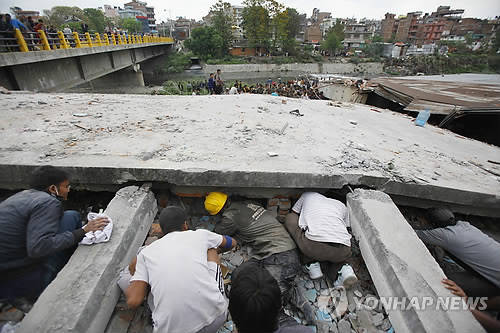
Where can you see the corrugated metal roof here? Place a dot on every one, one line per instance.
(440, 95)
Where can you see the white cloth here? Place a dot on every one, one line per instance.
(185, 291)
(323, 219)
(233, 91)
(99, 236)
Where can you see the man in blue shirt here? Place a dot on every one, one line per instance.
(16, 24)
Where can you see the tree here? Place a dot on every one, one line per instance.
(331, 43)
(205, 42)
(256, 23)
(59, 15)
(222, 22)
(287, 27)
(377, 38)
(334, 38)
(95, 19)
(130, 24)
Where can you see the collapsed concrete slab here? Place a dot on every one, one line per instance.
(401, 266)
(84, 293)
(244, 141)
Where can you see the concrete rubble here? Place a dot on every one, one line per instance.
(401, 266)
(336, 309)
(84, 293)
(223, 141)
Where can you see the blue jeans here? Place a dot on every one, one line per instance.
(33, 280)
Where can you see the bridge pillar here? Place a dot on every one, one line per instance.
(127, 77)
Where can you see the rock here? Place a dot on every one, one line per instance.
(4, 90)
(323, 326)
(324, 292)
(364, 322)
(351, 301)
(323, 284)
(80, 114)
(42, 102)
(377, 319)
(354, 122)
(12, 314)
(358, 293)
(147, 155)
(236, 259)
(317, 285)
(322, 315)
(309, 284)
(229, 325)
(323, 302)
(386, 325)
(341, 303)
(272, 154)
(310, 294)
(344, 326)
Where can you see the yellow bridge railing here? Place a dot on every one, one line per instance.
(40, 40)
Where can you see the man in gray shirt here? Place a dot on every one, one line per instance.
(272, 247)
(470, 246)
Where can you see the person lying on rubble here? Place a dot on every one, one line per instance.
(182, 269)
(473, 250)
(489, 323)
(255, 302)
(272, 247)
(319, 227)
(37, 237)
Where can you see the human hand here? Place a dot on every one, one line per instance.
(96, 224)
(131, 266)
(454, 288)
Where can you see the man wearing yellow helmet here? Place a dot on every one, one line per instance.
(272, 246)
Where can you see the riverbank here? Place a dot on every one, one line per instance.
(274, 71)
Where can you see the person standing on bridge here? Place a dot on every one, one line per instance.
(36, 237)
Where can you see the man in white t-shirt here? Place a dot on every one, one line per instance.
(182, 269)
(234, 89)
(319, 227)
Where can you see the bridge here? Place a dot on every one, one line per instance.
(55, 61)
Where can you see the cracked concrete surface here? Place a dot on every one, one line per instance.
(231, 141)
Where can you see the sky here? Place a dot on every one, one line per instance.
(196, 9)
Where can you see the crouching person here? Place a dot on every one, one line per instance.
(37, 237)
(319, 227)
(182, 269)
(255, 302)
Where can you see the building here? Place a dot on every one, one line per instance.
(413, 28)
(387, 29)
(313, 34)
(147, 12)
(356, 35)
(110, 11)
(19, 12)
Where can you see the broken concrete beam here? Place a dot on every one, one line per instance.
(84, 293)
(401, 266)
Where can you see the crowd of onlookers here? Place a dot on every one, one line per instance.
(298, 88)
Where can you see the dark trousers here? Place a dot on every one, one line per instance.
(31, 281)
(333, 256)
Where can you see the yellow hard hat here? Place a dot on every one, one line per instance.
(214, 202)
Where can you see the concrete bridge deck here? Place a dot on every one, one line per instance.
(62, 69)
(250, 142)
